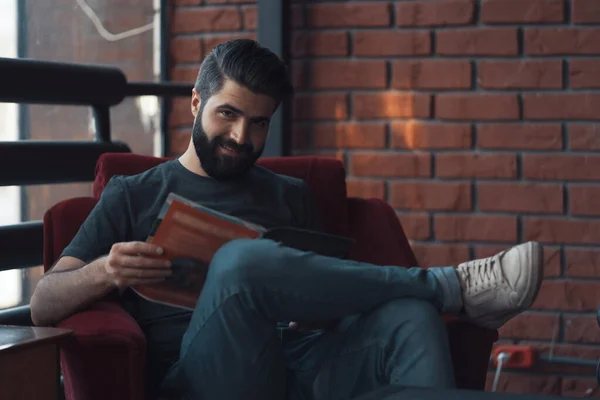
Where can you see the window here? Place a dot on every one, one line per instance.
(119, 33)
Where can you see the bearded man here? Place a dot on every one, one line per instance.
(242, 340)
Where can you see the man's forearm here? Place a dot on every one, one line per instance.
(61, 293)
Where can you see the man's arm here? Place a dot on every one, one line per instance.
(73, 285)
(99, 259)
(68, 287)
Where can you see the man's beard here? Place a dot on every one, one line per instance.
(222, 166)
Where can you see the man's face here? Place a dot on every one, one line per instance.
(230, 129)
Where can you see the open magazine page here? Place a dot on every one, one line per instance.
(190, 235)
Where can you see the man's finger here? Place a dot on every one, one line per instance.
(135, 248)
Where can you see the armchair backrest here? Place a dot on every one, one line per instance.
(325, 176)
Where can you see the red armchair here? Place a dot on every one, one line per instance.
(106, 358)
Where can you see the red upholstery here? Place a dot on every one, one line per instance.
(106, 358)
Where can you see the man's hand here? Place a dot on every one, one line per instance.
(136, 263)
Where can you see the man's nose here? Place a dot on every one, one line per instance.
(240, 133)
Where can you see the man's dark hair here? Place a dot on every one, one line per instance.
(247, 63)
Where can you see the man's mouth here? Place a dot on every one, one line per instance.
(230, 150)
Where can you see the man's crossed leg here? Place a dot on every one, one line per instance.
(390, 330)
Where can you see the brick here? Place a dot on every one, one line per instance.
(522, 74)
(297, 17)
(552, 257)
(349, 135)
(531, 326)
(568, 296)
(584, 200)
(435, 13)
(213, 41)
(477, 42)
(181, 113)
(519, 136)
(561, 106)
(206, 20)
(582, 263)
(552, 262)
(525, 383)
(184, 50)
(520, 197)
(250, 18)
(561, 230)
(447, 196)
(436, 255)
(416, 135)
(383, 43)
(416, 226)
(579, 387)
(581, 329)
(349, 15)
(187, 74)
(560, 41)
(585, 11)
(522, 11)
(306, 44)
(561, 167)
(329, 106)
(584, 73)
(476, 165)
(179, 141)
(584, 137)
(405, 165)
(431, 74)
(480, 228)
(391, 105)
(365, 189)
(500, 106)
(348, 74)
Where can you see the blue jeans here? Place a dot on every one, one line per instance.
(390, 328)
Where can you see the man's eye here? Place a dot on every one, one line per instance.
(226, 113)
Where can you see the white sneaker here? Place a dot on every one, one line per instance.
(497, 288)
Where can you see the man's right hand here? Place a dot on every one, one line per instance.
(136, 263)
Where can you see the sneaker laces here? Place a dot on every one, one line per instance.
(478, 275)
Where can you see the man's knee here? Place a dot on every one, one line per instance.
(243, 261)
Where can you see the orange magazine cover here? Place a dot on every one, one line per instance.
(190, 235)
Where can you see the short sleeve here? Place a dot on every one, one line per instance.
(108, 223)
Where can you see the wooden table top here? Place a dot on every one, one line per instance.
(13, 337)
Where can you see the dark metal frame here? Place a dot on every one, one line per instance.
(274, 33)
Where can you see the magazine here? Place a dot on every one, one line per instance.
(190, 235)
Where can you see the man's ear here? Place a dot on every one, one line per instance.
(195, 102)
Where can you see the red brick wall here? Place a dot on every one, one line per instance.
(473, 119)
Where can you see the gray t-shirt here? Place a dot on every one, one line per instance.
(128, 209)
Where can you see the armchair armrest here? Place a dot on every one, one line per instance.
(105, 358)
